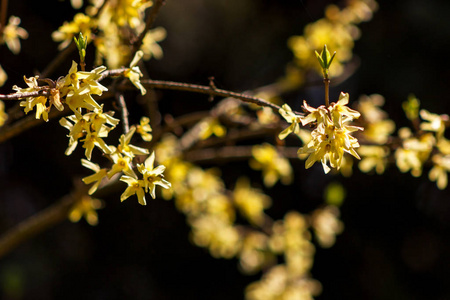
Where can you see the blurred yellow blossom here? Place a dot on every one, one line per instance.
(326, 225)
(11, 34)
(274, 167)
(441, 166)
(435, 123)
(255, 254)
(278, 284)
(211, 126)
(377, 128)
(414, 151)
(144, 129)
(220, 237)
(85, 207)
(150, 45)
(373, 158)
(251, 202)
(65, 33)
(337, 29)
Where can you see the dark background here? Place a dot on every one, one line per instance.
(395, 243)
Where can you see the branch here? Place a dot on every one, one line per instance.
(18, 96)
(210, 90)
(35, 224)
(124, 110)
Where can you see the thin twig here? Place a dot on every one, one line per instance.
(124, 110)
(210, 90)
(18, 96)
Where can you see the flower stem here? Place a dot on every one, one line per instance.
(326, 81)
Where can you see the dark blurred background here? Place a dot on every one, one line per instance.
(395, 242)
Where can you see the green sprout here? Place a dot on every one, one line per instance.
(325, 59)
(81, 43)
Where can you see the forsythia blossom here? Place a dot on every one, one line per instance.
(153, 176)
(331, 137)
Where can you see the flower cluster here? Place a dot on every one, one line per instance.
(337, 29)
(412, 149)
(289, 280)
(115, 23)
(331, 137)
(90, 126)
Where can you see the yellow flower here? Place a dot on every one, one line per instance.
(250, 202)
(211, 126)
(340, 112)
(78, 86)
(153, 176)
(440, 169)
(290, 117)
(436, 123)
(315, 114)
(98, 120)
(86, 207)
(331, 138)
(41, 108)
(272, 164)
(380, 131)
(121, 164)
(97, 177)
(94, 139)
(144, 129)
(126, 148)
(326, 225)
(373, 157)
(255, 254)
(369, 107)
(91, 79)
(135, 186)
(134, 73)
(78, 129)
(328, 144)
(414, 151)
(11, 34)
(66, 32)
(150, 45)
(29, 103)
(219, 236)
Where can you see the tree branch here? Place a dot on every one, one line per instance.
(210, 90)
(35, 224)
